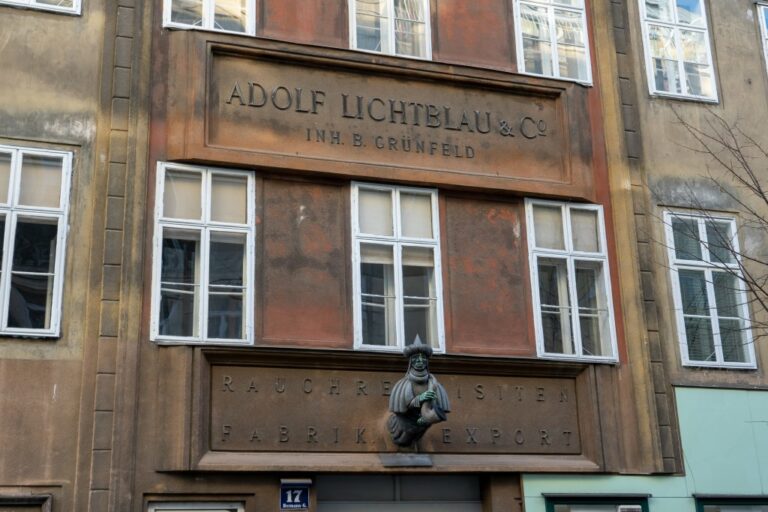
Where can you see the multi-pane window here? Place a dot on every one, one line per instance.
(763, 17)
(397, 283)
(710, 301)
(69, 6)
(34, 191)
(677, 49)
(731, 505)
(203, 255)
(571, 284)
(394, 27)
(222, 15)
(552, 39)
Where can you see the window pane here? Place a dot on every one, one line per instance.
(538, 57)
(419, 295)
(694, 46)
(230, 15)
(180, 283)
(181, 254)
(569, 28)
(699, 77)
(225, 315)
(34, 247)
(377, 285)
(181, 197)
(5, 176)
(416, 215)
(410, 38)
(555, 306)
(229, 199)
(41, 181)
(372, 25)
(537, 46)
(664, 54)
(178, 311)
(733, 342)
(659, 10)
(573, 62)
(686, 236)
(720, 242)
(188, 12)
(548, 227)
(535, 22)
(410, 10)
(585, 230)
(593, 314)
(701, 346)
(689, 12)
(726, 294)
(33, 265)
(226, 285)
(375, 212)
(693, 292)
(227, 259)
(30, 301)
(57, 3)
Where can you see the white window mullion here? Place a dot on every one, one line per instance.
(392, 46)
(10, 228)
(680, 61)
(574, 307)
(209, 13)
(713, 316)
(553, 39)
(203, 270)
(399, 301)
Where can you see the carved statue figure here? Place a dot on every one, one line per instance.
(417, 401)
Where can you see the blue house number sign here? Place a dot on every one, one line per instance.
(294, 496)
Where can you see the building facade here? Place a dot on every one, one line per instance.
(226, 222)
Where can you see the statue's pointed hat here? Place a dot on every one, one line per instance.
(417, 347)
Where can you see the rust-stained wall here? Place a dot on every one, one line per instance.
(109, 411)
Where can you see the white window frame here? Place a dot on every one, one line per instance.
(203, 227)
(707, 267)
(553, 37)
(196, 506)
(33, 4)
(391, 33)
(12, 211)
(571, 256)
(397, 241)
(676, 26)
(209, 11)
(762, 16)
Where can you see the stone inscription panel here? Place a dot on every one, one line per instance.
(309, 410)
(264, 106)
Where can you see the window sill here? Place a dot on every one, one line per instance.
(583, 83)
(179, 26)
(720, 366)
(32, 336)
(205, 343)
(409, 57)
(684, 97)
(44, 8)
(579, 359)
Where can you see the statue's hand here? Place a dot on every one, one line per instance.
(422, 422)
(427, 395)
